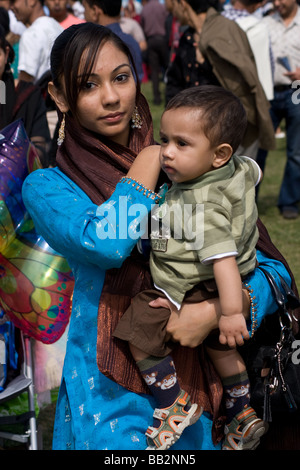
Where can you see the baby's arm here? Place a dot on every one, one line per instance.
(232, 324)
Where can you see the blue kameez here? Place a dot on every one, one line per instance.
(92, 411)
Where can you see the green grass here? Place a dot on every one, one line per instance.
(156, 110)
(285, 234)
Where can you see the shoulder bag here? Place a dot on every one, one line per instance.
(272, 358)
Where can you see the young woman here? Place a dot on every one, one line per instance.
(89, 209)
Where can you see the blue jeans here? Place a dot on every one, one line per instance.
(282, 107)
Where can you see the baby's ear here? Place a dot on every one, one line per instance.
(222, 154)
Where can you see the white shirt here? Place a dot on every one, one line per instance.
(78, 10)
(15, 26)
(285, 43)
(131, 26)
(258, 37)
(36, 44)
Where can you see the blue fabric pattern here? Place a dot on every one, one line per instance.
(263, 302)
(93, 412)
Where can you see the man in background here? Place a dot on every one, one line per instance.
(37, 39)
(153, 22)
(284, 30)
(108, 13)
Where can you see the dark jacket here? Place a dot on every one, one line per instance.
(185, 72)
(229, 63)
(27, 103)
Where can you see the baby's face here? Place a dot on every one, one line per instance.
(186, 153)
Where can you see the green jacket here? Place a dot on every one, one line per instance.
(227, 48)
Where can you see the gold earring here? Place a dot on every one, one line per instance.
(136, 120)
(61, 132)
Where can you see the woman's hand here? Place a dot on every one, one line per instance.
(193, 323)
(146, 167)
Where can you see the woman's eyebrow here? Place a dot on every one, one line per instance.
(93, 74)
(120, 66)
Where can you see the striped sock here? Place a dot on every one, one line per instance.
(237, 396)
(161, 378)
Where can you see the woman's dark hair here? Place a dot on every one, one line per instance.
(67, 56)
(3, 45)
(222, 116)
(4, 20)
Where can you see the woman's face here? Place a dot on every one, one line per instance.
(106, 104)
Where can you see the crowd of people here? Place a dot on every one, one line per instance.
(74, 72)
(176, 42)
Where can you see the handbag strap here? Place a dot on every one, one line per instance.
(293, 299)
(284, 302)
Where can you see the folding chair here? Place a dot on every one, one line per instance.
(20, 384)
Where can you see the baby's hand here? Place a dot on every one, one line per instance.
(233, 330)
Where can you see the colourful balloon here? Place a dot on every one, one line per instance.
(36, 283)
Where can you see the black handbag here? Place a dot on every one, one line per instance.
(272, 359)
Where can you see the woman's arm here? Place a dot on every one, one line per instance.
(146, 167)
(194, 322)
(262, 299)
(79, 229)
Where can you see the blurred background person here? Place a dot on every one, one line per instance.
(58, 9)
(37, 39)
(153, 22)
(23, 101)
(284, 30)
(108, 13)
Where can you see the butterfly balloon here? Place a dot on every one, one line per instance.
(36, 283)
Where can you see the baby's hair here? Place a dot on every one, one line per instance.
(222, 116)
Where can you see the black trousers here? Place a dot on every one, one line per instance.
(157, 60)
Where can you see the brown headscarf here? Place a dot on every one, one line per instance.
(96, 167)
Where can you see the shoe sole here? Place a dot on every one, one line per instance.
(193, 416)
(251, 438)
